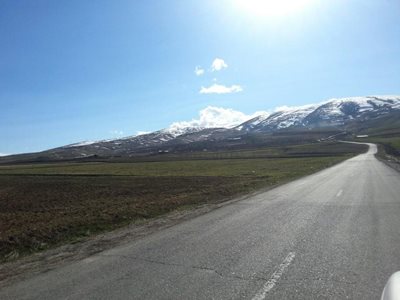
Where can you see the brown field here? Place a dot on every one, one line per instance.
(46, 205)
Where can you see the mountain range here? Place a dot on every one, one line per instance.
(286, 124)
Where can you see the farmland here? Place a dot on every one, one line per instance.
(43, 205)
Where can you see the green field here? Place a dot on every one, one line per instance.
(43, 205)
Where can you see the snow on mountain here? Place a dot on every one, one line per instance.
(337, 111)
(147, 139)
(287, 117)
(283, 117)
(210, 117)
(80, 144)
(253, 122)
(332, 112)
(216, 124)
(176, 129)
(339, 106)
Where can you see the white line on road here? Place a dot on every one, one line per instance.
(269, 285)
(339, 193)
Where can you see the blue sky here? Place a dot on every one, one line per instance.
(86, 70)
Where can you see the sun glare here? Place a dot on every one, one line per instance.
(271, 8)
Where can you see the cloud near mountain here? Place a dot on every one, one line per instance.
(212, 117)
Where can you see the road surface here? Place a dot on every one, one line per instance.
(331, 235)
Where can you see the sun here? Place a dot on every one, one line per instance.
(271, 8)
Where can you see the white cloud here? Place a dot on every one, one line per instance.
(220, 89)
(213, 117)
(4, 154)
(198, 71)
(218, 64)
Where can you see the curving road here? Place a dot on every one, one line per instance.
(331, 235)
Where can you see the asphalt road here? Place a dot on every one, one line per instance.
(331, 235)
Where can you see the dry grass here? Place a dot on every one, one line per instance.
(45, 205)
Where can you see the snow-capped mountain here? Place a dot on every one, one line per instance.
(181, 130)
(338, 111)
(79, 144)
(334, 112)
(280, 119)
(331, 113)
(252, 123)
(141, 140)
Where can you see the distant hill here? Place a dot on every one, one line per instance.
(345, 116)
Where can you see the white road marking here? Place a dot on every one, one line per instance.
(339, 193)
(269, 285)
